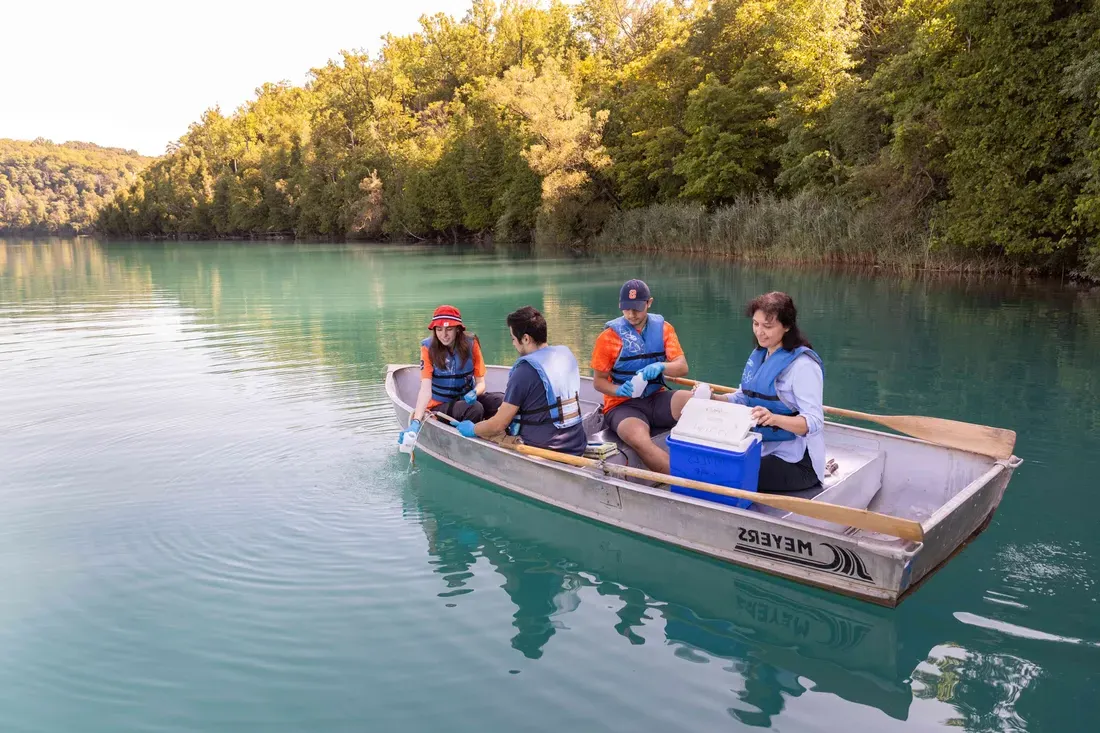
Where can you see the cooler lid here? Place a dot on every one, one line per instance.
(714, 423)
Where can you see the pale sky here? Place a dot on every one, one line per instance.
(134, 74)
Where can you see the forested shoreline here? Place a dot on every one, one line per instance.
(834, 130)
(48, 188)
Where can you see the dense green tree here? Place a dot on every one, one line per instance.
(967, 124)
(565, 147)
(59, 189)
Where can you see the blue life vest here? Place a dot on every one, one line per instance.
(561, 378)
(454, 379)
(758, 385)
(639, 350)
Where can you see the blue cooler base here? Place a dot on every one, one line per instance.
(715, 466)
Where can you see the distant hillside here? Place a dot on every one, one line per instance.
(46, 188)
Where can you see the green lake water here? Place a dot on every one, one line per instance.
(206, 525)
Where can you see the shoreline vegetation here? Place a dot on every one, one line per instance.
(805, 230)
(927, 134)
(59, 189)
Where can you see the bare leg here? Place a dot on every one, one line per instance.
(635, 433)
(679, 399)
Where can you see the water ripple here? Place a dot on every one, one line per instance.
(206, 525)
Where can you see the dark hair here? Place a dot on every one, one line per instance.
(528, 321)
(781, 306)
(437, 352)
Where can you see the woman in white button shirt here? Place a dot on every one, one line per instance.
(783, 382)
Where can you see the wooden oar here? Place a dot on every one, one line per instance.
(907, 529)
(988, 441)
(884, 523)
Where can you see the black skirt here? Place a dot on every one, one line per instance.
(778, 476)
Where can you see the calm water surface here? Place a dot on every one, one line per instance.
(206, 525)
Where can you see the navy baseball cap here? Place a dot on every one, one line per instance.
(633, 295)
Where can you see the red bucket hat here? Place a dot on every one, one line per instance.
(446, 315)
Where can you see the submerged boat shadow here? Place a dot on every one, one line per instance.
(779, 632)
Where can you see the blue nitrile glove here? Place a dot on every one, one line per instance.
(467, 429)
(652, 371)
(470, 397)
(625, 389)
(414, 428)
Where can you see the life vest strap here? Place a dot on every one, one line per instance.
(560, 405)
(650, 355)
(782, 409)
(453, 375)
(759, 395)
(448, 392)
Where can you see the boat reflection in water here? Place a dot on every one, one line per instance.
(777, 631)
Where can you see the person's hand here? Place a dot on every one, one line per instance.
(702, 391)
(466, 428)
(652, 371)
(414, 428)
(470, 397)
(626, 389)
(763, 417)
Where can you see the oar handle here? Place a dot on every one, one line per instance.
(445, 416)
(841, 412)
(716, 388)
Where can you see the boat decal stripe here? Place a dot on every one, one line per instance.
(844, 562)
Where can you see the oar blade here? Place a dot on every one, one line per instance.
(983, 439)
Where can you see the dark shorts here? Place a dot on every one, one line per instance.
(655, 411)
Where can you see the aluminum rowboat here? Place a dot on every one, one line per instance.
(952, 493)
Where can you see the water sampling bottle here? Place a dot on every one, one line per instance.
(408, 442)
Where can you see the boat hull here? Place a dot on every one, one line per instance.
(875, 569)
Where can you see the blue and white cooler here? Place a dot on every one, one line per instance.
(714, 442)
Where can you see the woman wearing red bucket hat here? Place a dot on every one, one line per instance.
(452, 372)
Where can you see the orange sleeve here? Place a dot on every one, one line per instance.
(672, 343)
(479, 360)
(606, 351)
(426, 370)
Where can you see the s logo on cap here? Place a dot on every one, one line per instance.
(633, 294)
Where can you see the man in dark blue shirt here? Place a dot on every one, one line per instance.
(542, 400)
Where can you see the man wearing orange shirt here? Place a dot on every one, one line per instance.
(639, 342)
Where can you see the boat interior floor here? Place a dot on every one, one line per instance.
(855, 481)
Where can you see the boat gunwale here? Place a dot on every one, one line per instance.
(965, 494)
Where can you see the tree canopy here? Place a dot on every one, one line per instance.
(59, 189)
(977, 119)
